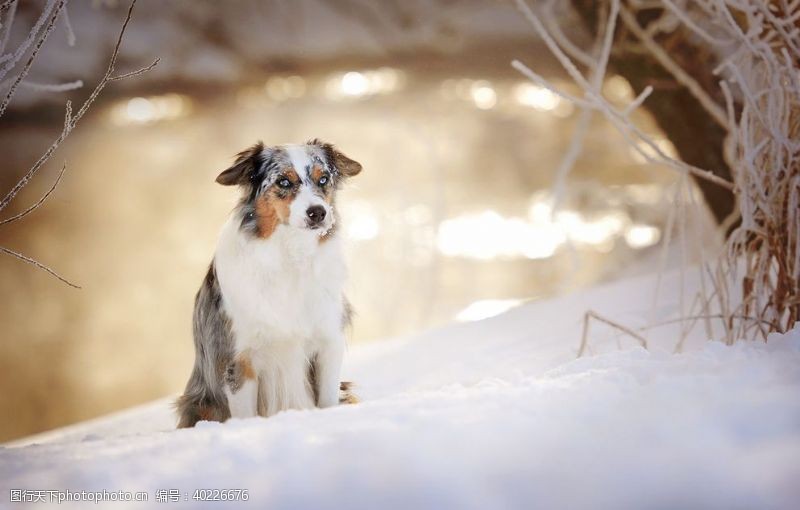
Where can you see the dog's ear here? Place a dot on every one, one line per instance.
(247, 163)
(346, 166)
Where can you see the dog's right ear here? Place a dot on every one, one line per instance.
(247, 163)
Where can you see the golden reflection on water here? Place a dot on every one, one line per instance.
(452, 219)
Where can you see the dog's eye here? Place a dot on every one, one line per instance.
(323, 180)
(284, 183)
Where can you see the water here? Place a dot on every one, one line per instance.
(452, 218)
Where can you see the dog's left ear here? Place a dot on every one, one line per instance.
(346, 166)
(247, 163)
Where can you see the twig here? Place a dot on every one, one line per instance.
(70, 122)
(39, 202)
(593, 315)
(680, 320)
(542, 82)
(593, 99)
(8, 23)
(755, 284)
(694, 27)
(137, 72)
(579, 135)
(14, 57)
(552, 25)
(713, 109)
(110, 70)
(697, 317)
(567, 162)
(562, 58)
(21, 76)
(48, 87)
(37, 264)
(605, 48)
(68, 28)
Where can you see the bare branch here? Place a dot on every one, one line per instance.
(563, 59)
(555, 30)
(708, 316)
(39, 202)
(14, 57)
(755, 283)
(591, 314)
(70, 120)
(48, 87)
(68, 28)
(8, 23)
(681, 15)
(619, 119)
(137, 72)
(713, 109)
(112, 62)
(37, 264)
(21, 76)
(68, 115)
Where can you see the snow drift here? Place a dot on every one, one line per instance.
(492, 414)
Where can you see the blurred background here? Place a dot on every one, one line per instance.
(453, 219)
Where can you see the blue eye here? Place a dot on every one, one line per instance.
(284, 183)
(323, 180)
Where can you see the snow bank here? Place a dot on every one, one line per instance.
(494, 414)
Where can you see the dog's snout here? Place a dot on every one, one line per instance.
(315, 214)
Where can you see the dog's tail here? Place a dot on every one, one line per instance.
(197, 404)
(346, 395)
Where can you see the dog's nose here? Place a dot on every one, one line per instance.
(315, 213)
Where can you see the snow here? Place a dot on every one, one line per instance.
(490, 414)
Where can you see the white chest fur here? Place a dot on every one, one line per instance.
(287, 288)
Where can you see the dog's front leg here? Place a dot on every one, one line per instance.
(241, 387)
(328, 365)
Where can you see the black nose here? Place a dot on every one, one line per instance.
(315, 213)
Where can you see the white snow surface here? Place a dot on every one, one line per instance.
(491, 414)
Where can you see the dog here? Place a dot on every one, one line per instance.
(270, 315)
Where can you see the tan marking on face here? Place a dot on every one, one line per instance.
(292, 175)
(317, 172)
(327, 192)
(271, 211)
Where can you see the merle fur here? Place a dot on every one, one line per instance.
(255, 169)
(204, 398)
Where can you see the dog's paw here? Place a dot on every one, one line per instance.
(346, 395)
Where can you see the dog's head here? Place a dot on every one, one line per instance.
(293, 185)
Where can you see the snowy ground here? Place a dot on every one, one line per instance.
(492, 414)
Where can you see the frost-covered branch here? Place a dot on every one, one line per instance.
(70, 122)
(594, 99)
(37, 204)
(8, 22)
(756, 283)
(38, 46)
(716, 112)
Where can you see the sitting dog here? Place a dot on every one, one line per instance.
(270, 315)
